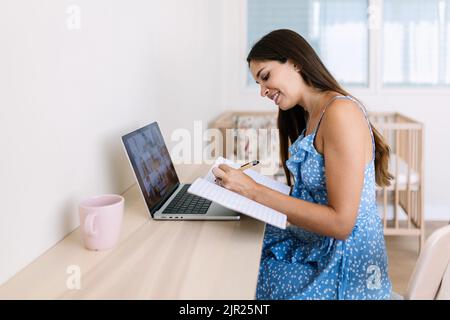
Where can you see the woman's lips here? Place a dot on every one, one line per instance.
(276, 97)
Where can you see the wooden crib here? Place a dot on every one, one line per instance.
(401, 204)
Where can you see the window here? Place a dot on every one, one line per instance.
(416, 42)
(336, 29)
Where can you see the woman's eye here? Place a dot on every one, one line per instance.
(266, 77)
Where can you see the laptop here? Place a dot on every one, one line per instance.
(165, 196)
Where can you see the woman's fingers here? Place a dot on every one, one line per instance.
(218, 173)
(224, 167)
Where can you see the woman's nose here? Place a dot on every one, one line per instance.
(264, 91)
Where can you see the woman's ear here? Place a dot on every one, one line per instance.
(295, 65)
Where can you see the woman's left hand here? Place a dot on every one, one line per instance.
(235, 180)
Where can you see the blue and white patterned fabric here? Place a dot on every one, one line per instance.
(298, 264)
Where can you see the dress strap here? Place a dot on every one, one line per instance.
(323, 111)
(368, 123)
(363, 110)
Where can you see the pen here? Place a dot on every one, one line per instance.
(246, 166)
(249, 165)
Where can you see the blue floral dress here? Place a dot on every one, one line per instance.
(298, 264)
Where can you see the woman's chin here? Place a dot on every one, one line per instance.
(285, 107)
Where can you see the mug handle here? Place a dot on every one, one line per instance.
(89, 224)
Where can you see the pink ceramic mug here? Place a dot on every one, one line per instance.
(101, 221)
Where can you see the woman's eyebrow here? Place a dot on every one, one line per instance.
(257, 74)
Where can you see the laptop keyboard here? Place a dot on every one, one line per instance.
(186, 203)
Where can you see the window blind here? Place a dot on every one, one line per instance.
(416, 37)
(336, 29)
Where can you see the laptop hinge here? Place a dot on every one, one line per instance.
(161, 203)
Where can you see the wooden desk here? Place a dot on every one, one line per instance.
(153, 259)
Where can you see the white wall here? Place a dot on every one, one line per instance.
(431, 107)
(67, 96)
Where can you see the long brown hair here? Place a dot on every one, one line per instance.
(281, 45)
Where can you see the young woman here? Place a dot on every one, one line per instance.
(334, 246)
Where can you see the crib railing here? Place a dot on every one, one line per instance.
(404, 197)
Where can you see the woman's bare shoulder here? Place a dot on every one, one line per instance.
(343, 125)
(342, 115)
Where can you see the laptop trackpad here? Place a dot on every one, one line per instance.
(219, 210)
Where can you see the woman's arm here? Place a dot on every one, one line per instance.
(310, 216)
(344, 130)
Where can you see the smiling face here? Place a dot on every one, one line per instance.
(280, 82)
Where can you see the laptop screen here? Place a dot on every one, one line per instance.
(152, 164)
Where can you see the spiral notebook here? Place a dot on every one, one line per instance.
(208, 189)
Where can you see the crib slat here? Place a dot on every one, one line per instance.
(416, 210)
(396, 202)
(421, 152)
(410, 145)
